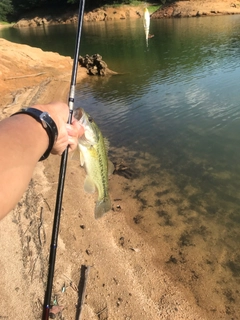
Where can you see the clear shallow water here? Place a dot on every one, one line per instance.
(175, 111)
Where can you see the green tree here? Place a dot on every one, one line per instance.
(6, 9)
(19, 7)
(22, 6)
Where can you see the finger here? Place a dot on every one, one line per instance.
(73, 143)
(61, 143)
(81, 131)
(72, 130)
(75, 129)
(79, 127)
(60, 109)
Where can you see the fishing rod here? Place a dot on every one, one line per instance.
(62, 173)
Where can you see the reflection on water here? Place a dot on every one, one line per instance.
(49, 38)
(173, 115)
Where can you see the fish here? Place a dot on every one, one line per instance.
(93, 149)
(146, 23)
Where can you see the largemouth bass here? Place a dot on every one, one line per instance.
(93, 157)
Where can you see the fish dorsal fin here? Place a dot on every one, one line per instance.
(89, 185)
(111, 167)
(106, 143)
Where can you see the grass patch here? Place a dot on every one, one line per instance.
(4, 23)
(154, 8)
(151, 7)
(134, 3)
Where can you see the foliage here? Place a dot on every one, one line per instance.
(4, 23)
(16, 8)
(154, 8)
(6, 8)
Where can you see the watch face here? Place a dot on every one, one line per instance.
(42, 117)
(48, 122)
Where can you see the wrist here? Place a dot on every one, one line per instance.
(47, 123)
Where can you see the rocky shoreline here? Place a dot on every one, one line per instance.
(178, 9)
(99, 14)
(188, 9)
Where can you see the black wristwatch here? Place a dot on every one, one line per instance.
(48, 124)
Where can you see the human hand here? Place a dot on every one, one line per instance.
(75, 131)
(68, 134)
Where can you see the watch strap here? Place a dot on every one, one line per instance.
(48, 124)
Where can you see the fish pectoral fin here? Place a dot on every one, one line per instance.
(75, 155)
(81, 159)
(89, 185)
(111, 167)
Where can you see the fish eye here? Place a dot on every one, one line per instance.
(90, 119)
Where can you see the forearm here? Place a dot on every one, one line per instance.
(23, 141)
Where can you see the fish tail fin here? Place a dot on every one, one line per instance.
(102, 206)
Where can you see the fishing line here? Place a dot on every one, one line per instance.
(62, 173)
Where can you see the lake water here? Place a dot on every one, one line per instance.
(173, 115)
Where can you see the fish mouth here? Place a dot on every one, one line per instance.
(78, 113)
(82, 117)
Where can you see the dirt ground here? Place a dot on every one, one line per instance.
(194, 8)
(127, 278)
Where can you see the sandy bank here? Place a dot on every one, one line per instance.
(128, 278)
